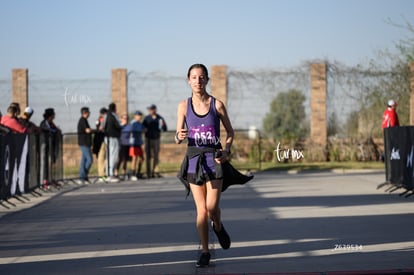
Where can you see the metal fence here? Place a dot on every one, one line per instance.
(29, 162)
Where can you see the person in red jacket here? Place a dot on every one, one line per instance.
(11, 121)
(390, 117)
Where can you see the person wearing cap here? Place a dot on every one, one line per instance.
(85, 143)
(154, 124)
(135, 150)
(25, 120)
(28, 111)
(390, 117)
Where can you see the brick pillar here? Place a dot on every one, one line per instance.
(20, 87)
(218, 84)
(412, 93)
(319, 132)
(120, 90)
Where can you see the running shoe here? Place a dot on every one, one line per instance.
(113, 179)
(79, 181)
(204, 260)
(222, 236)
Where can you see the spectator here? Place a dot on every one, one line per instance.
(124, 149)
(99, 146)
(154, 124)
(112, 129)
(135, 151)
(390, 117)
(17, 105)
(25, 120)
(3, 129)
(11, 120)
(48, 125)
(48, 145)
(85, 143)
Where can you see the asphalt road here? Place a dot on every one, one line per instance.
(279, 222)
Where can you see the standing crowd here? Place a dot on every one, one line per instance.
(116, 141)
(14, 121)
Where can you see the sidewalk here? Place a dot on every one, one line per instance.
(306, 223)
(31, 199)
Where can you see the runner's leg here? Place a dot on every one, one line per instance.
(199, 194)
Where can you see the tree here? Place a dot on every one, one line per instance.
(405, 46)
(352, 124)
(387, 77)
(285, 121)
(397, 85)
(333, 124)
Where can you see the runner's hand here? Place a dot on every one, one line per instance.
(182, 134)
(222, 156)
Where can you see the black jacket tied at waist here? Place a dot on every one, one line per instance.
(224, 170)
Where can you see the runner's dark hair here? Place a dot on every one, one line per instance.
(198, 66)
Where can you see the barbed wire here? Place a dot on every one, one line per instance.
(249, 92)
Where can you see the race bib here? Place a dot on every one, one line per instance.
(204, 135)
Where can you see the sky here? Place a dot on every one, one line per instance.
(87, 38)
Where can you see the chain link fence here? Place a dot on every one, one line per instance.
(356, 98)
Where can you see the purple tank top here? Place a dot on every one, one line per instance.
(203, 131)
